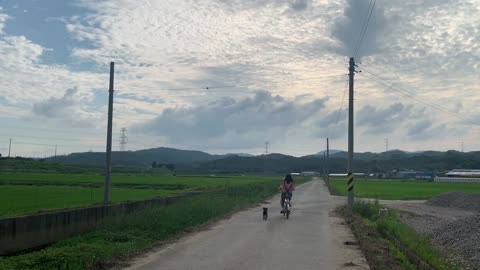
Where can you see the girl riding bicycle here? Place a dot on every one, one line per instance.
(287, 187)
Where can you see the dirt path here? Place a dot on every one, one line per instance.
(311, 239)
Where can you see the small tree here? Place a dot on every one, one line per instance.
(154, 164)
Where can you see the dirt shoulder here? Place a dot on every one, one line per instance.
(379, 253)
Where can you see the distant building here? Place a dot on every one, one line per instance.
(410, 174)
(460, 176)
(361, 175)
(463, 173)
(310, 173)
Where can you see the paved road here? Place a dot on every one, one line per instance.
(312, 238)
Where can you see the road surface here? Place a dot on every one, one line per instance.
(313, 238)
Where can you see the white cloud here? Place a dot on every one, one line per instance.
(3, 18)
(431, 48)
(238, 122)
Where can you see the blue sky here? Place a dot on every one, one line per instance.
(226, 76)
(43, 23)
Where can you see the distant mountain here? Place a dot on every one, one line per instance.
(363, 162)
(331, 152)
(391, 154)
(239, 154)
(141, 158)
(201, 162)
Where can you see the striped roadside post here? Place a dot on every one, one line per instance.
(350, 185)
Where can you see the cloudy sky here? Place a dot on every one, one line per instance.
(227, 75)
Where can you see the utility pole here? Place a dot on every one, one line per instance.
(266, 147)
(350, 183)
(463, 147)
(9, 147)
(108, 167)
(386, 145)
(328, 161)
(123, 139)
(325, 166)
(55, 156)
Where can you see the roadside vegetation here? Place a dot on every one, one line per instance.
(118, 240)
(400, 190)
(387, 242)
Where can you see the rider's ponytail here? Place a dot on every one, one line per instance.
(288, 178)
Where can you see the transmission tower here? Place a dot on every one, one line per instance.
(386, 145)
(123, 139)
(266, 147)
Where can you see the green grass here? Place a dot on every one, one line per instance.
(139, 231)
(16, 200)
(5, 177)
(23, 199)
(401, 190)
(390, 225)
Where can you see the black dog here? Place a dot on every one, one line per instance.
(265, 213)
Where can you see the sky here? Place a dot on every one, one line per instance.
(225, 76)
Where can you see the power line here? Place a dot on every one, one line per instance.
(214, 87)
(371, 6)
(56, 130)
(51, 138)
(59, 145)
(411, 95)
(363, 26)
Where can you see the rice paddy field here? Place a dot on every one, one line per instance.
(13, 177)
(25, 193)
(401, 190)
(17, 200)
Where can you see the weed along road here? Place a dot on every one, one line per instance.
(313, 238)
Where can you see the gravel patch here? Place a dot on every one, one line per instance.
(452, 229)
(457, 200)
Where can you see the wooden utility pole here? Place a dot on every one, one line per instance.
(350, 183)
(108, 166)
(9, 147)
(327, 165)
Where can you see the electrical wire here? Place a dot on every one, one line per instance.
(371, 7)
(233, 86)
(58, 145)
(412, 96)
(50, 138)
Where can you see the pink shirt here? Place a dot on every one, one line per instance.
(286, 186)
